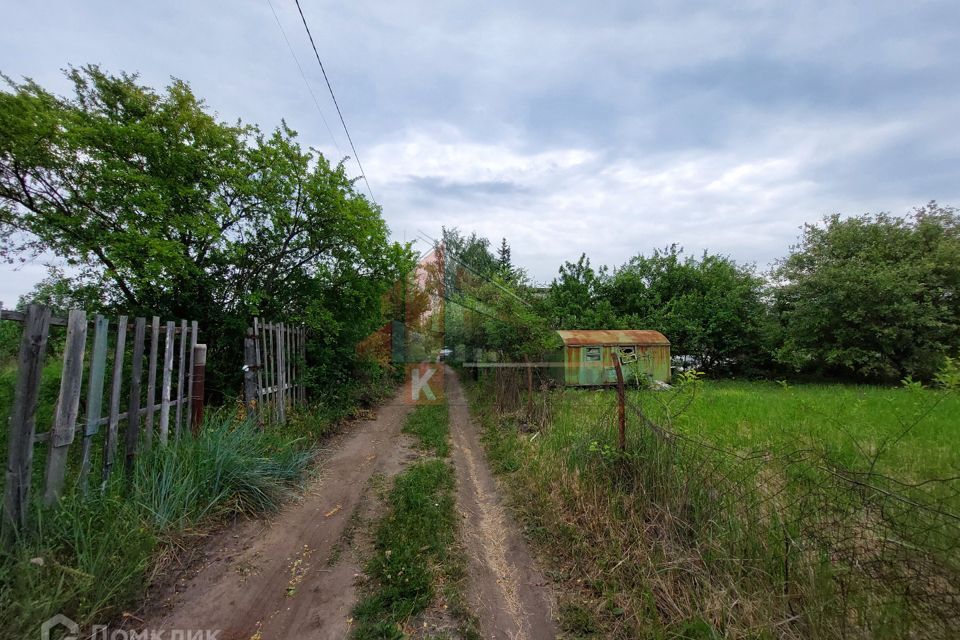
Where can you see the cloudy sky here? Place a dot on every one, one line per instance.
(608, 128)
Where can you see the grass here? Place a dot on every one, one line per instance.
(851, 421)
(93, 557)
(416, 554)
(430, 424)
(675, 539)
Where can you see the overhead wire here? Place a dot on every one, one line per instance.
(335, 103)
(304, 76)
(474, 271)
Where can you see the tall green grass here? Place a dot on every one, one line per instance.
(740, 518)
(91, 557)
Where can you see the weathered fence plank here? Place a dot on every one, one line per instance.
(270, 381)
(294, 366)
(110, 442)
(259, 364)
(98, 365)
(181, 371)
(303, 364)
(193, 349)
(286, 367)
(68, 405)
(165, 386)
(199, 358)
(250, 374)
(133, 405)
(275, 365)
(288, 347)
(33, 347)
(151, 383)
(282, 380)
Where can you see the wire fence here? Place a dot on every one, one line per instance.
(825, 545)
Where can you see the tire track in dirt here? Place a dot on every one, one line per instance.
(282, 584)
(507, 591)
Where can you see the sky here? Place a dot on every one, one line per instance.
(610, 128)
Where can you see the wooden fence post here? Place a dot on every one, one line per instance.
(165, 387)
(199, 368)
(621, 403)
(268, 368)
(68, 404)
(259, 364)
(192, 348)
(151, 383)
(133, 404)
(98, 366)
(302, 364)
(33, 347)
(181, 370)
(250, 373)
(288, 389)
(281, 377)
(110, 442)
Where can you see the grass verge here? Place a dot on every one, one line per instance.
(92, 557)
(417, 558)
(674, 539)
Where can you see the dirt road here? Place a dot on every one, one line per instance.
(507, 591)
(290, 577)
(280, 583)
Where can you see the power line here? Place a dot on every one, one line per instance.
(335, 103)
(305, 81)
(474, 271)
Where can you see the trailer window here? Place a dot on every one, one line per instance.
(592, 354)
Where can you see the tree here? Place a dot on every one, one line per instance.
(164, 210)
(875, 297)
(711, 309)
(503, 258)
(577, 298)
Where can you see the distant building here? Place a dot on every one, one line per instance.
(588, 356)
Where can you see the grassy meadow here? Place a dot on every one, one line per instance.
(915, 434)
(741, 509)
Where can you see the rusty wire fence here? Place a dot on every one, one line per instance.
(786, 542)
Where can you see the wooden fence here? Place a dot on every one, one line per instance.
(132, 407)
(274, 356)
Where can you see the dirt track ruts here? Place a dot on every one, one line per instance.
(285, 578)
(280, 584)
(507, 591)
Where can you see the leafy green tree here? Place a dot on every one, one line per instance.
(515, 327)
(577, 298)
(164, 210)
(875, 297)
(468, 259)
(711, 308)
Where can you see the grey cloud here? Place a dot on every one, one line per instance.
(610, 128)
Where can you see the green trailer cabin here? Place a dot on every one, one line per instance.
(588, 356)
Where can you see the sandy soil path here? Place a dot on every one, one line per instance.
(507, 591)
(276, 578)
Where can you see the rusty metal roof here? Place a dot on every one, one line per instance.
(613, 337)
